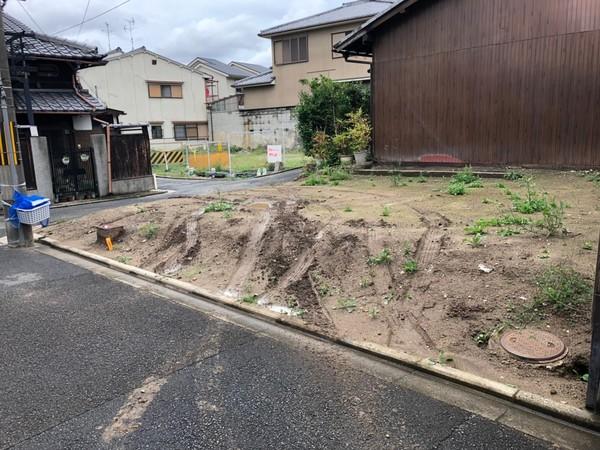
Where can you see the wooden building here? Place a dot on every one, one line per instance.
(484, 82)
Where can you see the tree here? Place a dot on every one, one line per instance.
(325, 106)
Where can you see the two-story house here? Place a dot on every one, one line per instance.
(301, 50)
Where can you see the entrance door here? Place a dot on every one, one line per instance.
(73, 174)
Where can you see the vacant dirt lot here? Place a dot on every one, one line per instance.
(381, 261)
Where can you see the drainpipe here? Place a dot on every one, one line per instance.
(107, 126)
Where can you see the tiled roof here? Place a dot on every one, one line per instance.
(36, 44)
(255, 67)
(360, 9)
(63, 101)
(230, 71)
(256, 80)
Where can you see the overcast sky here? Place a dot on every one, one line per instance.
(180, 29)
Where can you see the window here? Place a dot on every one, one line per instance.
(190, 131)
(165, 90)
(291, 51)
(335, 38)
(157, 131)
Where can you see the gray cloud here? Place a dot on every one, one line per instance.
(179, 29)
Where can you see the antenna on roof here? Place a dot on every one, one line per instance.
(107, 26)
(129, 27)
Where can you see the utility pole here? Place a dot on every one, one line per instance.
(9, 117)
(108, 34)
(130, 27)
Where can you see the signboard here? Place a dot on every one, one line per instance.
(274, 153)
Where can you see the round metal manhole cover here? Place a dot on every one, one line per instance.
(533, 345)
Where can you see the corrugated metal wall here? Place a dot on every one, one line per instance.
(490, 82)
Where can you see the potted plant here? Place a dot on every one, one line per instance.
(343, 147)
(359, 133)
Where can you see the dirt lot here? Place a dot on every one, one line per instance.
(341, 255)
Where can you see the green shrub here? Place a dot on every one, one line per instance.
(457, 188)
(513, 175)
(553, 217)
(339, 174)
(475, 241)
(466, 176)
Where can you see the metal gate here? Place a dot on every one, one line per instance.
(73, 174)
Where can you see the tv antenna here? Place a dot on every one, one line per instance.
(130, 27)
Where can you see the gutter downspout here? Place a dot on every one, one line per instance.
(107, 126)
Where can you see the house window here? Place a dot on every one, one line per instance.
(165, 90)
(187, 131)
(291, 51)
(335, 38)
(157, 131)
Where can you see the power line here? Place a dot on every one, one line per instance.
(30, 17)
(93, 18)
(87, 6)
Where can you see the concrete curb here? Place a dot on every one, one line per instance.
(511, 393)
(107, 199)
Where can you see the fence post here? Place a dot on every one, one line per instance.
(593, 393)
(229, 155)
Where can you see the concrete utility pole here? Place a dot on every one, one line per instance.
(9, 116)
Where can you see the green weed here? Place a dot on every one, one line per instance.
(124, 259)
(513, 175)
(347, 209)
(349, 305)
(562, 290)
(588, 246)
(149, 230)
(387, 211)
(457, 188)
(475, 241)
(465, 176)
(339, 174)
(385, 257)
(475, 229)
(315, 180)
(373, 313)
(398, 181)
(410, 266)
(250, 298)
(219, 206)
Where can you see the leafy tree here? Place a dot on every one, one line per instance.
(325, 106)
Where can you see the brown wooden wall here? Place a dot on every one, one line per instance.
(490, 82)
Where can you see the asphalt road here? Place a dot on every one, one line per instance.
(177, 188)
(89, 362)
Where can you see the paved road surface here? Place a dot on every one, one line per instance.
(89, 362)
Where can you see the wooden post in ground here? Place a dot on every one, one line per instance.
(593, 394)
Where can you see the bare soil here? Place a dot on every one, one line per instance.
(305, 250)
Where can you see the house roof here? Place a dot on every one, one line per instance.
(58, 101)
(256, 68)
(117, 53)
(262, 79)
(236, 73)
(357, 43)
(348, 12)
(41, 45)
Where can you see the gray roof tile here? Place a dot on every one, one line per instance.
(256, 67)
(230, 71)
(36, 44)
(64, 101)
(360, 9)
(256, 80)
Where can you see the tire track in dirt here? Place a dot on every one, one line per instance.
(428, 249)
(249, 258)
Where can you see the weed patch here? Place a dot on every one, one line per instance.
(219, 206)
(410, 266)
(149, 231)
(349, 305)
(385, 257)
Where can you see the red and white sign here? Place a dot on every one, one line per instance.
(274, 153)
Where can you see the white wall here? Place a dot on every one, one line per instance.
(122, 85)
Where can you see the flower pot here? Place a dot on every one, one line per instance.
(361, 158)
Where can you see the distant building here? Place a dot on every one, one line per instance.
(301, 50)
(172, 97)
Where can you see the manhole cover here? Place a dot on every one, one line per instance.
(533, 345)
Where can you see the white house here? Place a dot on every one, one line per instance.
(154, 89)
